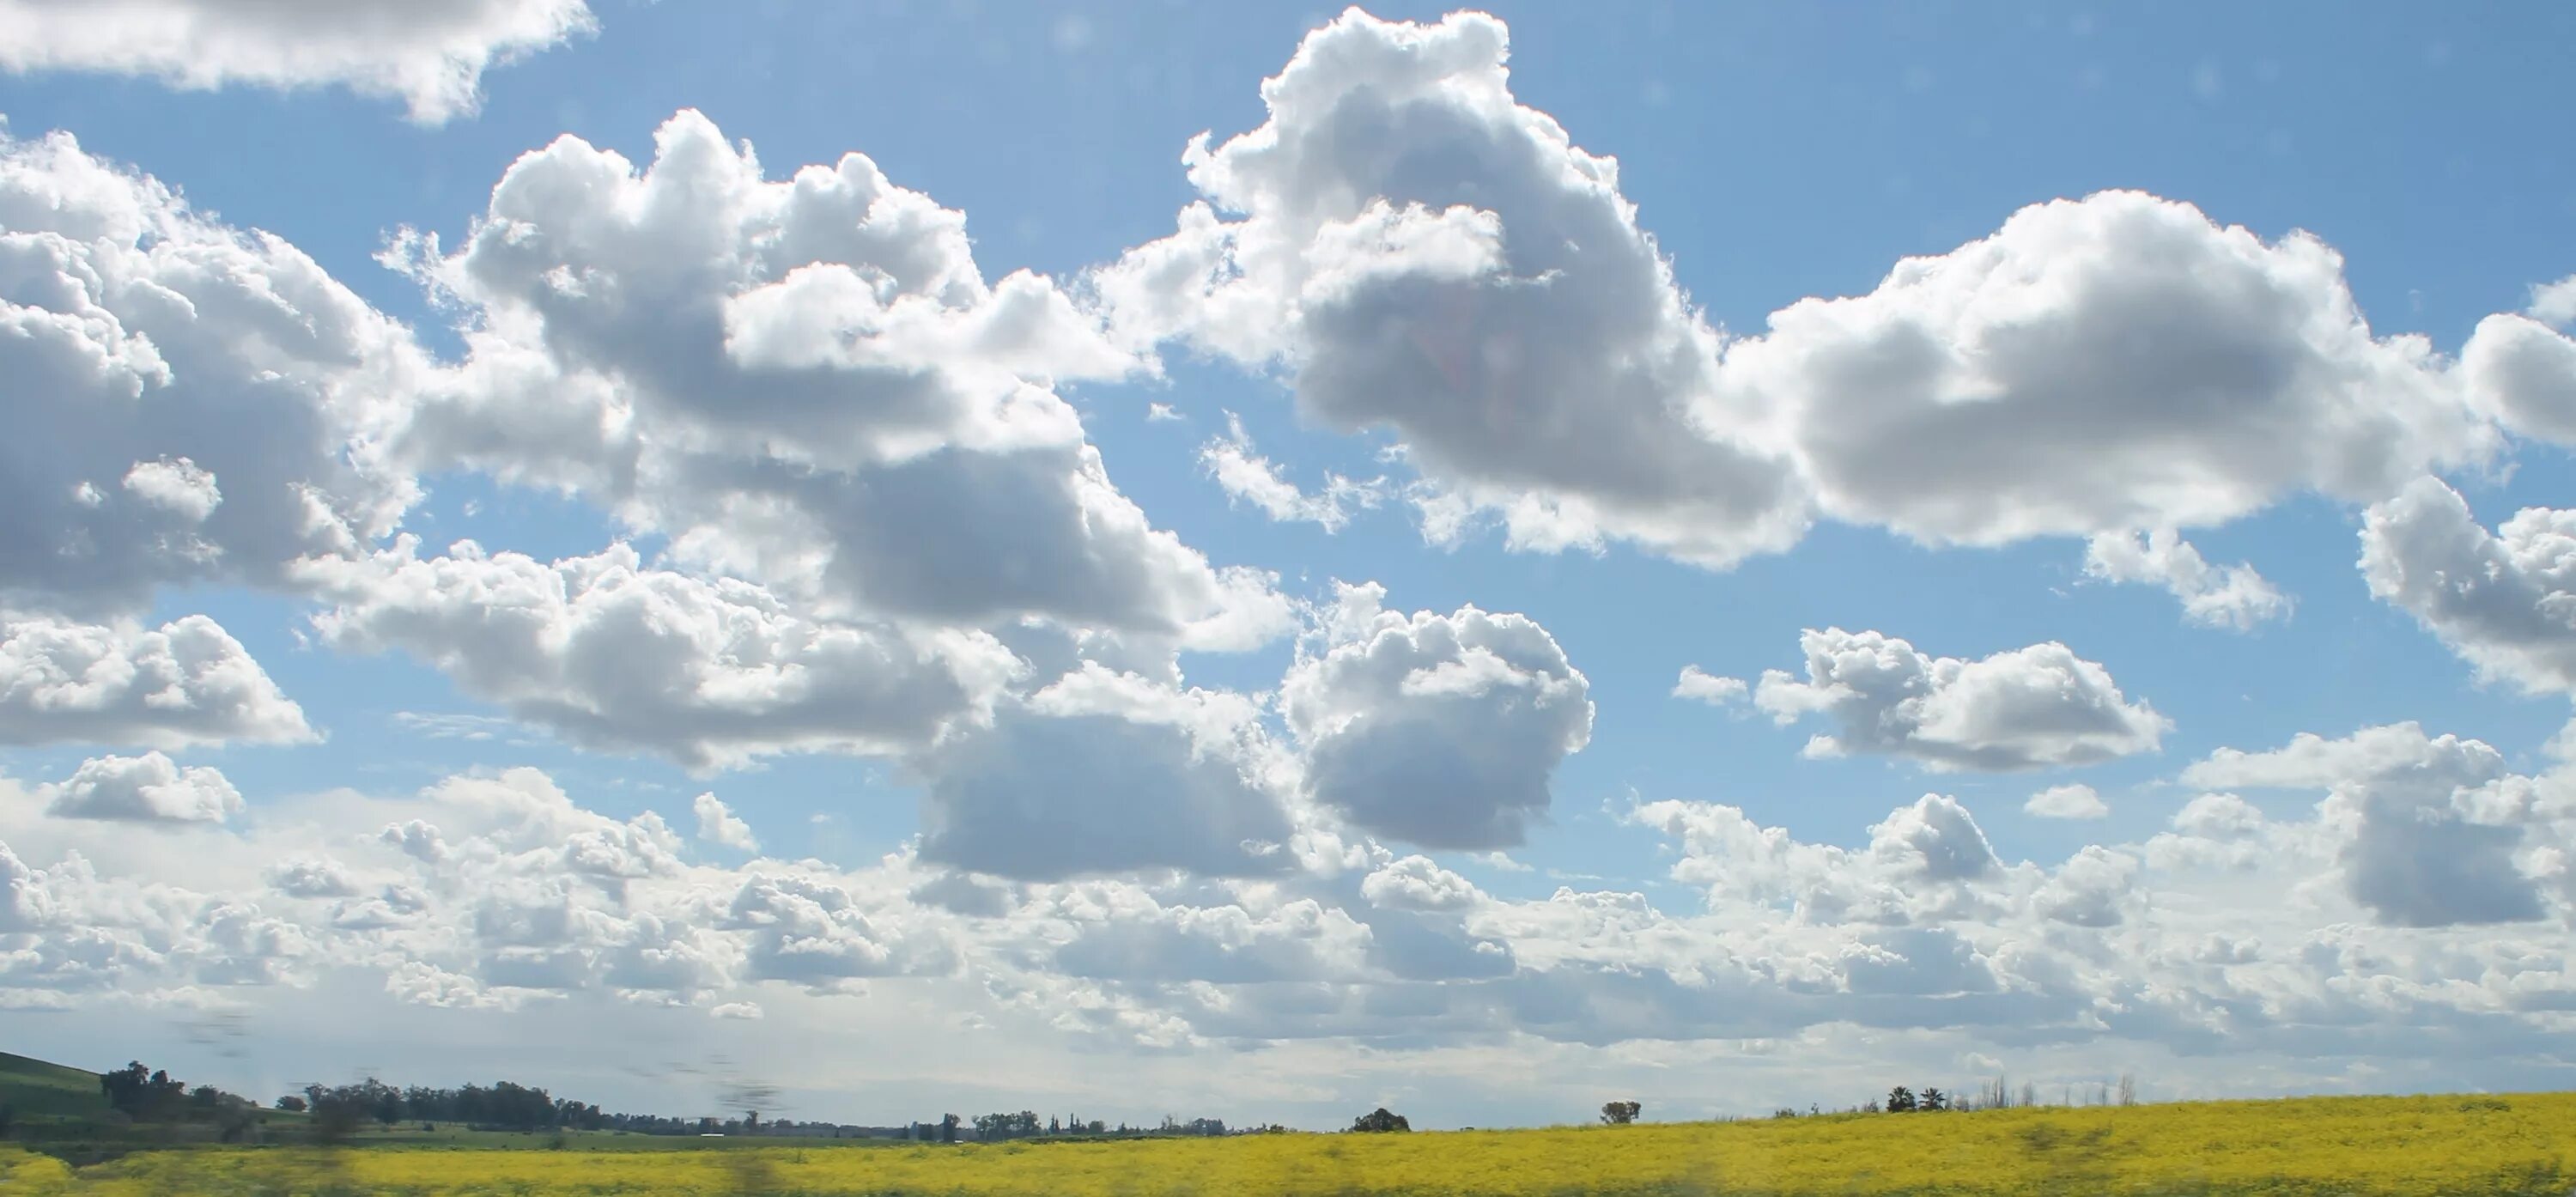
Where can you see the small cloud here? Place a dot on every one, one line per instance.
(2067, 802)
(717, 825)
(439, 725)
(1157, 413)
(747, 1011)
(1500, 860)
(1699, 685)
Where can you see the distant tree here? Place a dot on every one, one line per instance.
(1380, 1121)
(1900, 1100)
(1619, 1113)
(1871, 1108)
(2128, 1089)
(1055, 1125)
(2029, 1094)
(1784, 1112)
(291, 1104)
(751, 1122)
(1934, 1099)
(948, 1127)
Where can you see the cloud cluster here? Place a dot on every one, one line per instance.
(184, 683)
(1438, 730)
(430, 55)
(212, 404)
(2027, 708)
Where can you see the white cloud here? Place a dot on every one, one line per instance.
(2522, 374)
(1248, 477)
(2072, 801)
(2232, 596)
(212, 404)
(2555, 303)
(1416, 883)
(186, 682)
(150, 788)
(2100, 365)
(2026, 708)
(1426, 255)
(2504, 600)
(748, 1011)
(1104, 772)
(2427, 832)
(609, 654)
(1699, 685)
(804, 383)
(718, 825)
(1441, 730)
(430, 55)
(1162, 413)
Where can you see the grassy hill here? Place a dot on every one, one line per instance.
(37, 1091)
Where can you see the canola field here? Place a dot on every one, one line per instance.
(2476, 1146)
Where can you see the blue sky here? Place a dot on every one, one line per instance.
(1771, 153)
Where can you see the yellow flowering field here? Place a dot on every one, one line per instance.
(2415, 1146)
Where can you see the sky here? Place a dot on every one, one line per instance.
(1258, 562)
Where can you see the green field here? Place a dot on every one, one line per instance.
(36, 1091)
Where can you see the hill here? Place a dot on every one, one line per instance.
(38, 1091)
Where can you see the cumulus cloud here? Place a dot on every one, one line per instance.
(150, 788)
(2026, 708)
(718, 825)
(431, 56)
(2071, 801)
(184, 683)
(2231, 596)
(2521, 373)
(1441, 730)
(608, 653)
(1250, 478)
(1416, 883)
(2504, 600)
(1426, 255)
(805, 383)
(2137, 364)
(212, 404)
(1699, 685)
(2420, 834)
(1106, 772)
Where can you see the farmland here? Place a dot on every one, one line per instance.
(2415, 1146)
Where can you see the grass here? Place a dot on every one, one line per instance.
(2516, 1146)
(36, 1090)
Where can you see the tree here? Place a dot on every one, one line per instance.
(948, 1127)
(1619, 1113)
(1934, 1099)
(1900, 1100)
(751, 1122)
(2128, 1089)
(291, 1104)
(1380, 1121)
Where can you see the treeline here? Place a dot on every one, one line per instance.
(1024, 1124)
(503, 1105)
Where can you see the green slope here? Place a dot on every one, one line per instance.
(35, 1089)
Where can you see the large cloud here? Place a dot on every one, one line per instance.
(806, 383)
(610, 654)
(1423, 254)
(2027, 708)
(185, 682)
(2099, 365)
(1441, 730)
(2505, 600)
(431, 54)
(185, 402)
(1428, 256)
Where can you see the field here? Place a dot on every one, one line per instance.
(2454, 1146)
(35, 1090)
